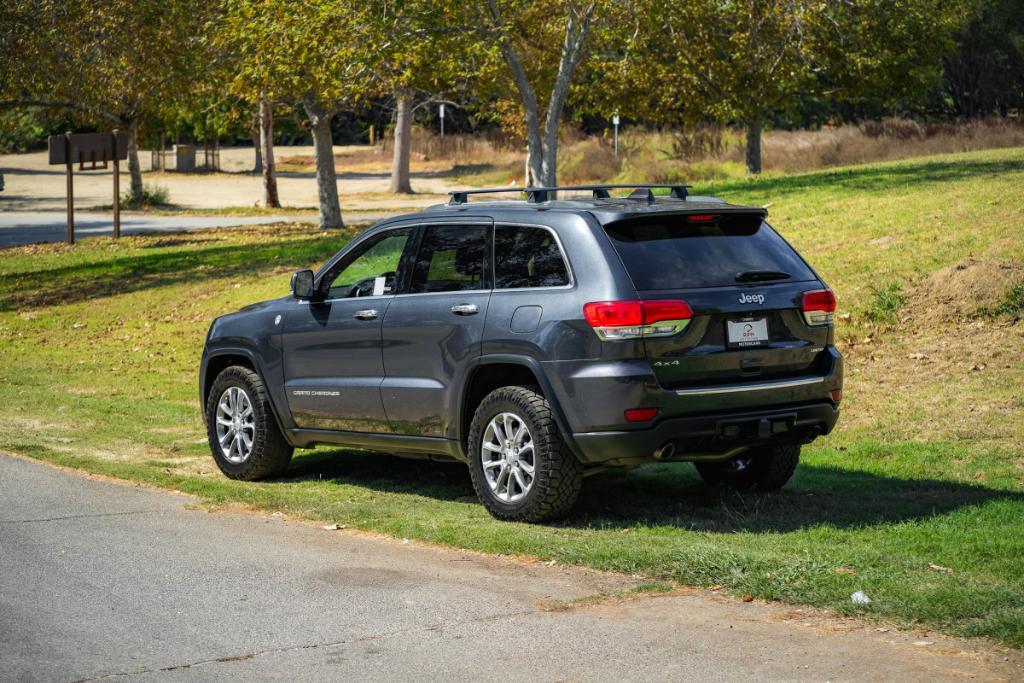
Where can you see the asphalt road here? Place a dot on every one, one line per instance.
(30, 227)
(101, 580)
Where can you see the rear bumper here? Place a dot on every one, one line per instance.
(710, 432)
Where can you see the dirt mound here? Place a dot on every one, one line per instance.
(965, 288)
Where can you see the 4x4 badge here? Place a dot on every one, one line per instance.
(752, 299)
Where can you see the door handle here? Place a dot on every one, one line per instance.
(465, 309)
(365, 314)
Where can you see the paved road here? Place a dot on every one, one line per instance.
(102, 580)
(29, 227)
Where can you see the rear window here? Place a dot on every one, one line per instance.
(670, 252)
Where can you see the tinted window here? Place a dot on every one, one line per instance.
(669, 252)
(450, 259)
(371, 269)
(527, 257)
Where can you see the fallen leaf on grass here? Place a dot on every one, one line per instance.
(918, 356)
(845, 570)
(939, 568)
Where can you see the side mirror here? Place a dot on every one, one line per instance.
(302, 284)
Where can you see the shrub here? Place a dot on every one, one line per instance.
(590, 160)
(152, 195)
(1013, 304)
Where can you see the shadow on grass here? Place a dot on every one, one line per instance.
(673, 495)
(871, 178)
(132, 273)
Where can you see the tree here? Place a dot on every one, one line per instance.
(303, 52)
(744, 60)
(109, 62)
(417, 53)
(541, 49)
(985, 74)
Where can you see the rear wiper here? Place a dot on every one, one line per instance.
(761, 275)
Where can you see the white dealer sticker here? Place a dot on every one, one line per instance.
(753, 332)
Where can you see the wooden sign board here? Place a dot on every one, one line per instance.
(95, 149)
(87, 148)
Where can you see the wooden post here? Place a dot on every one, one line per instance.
(117, 186)
(71, 189)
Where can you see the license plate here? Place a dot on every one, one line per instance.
(747, 332)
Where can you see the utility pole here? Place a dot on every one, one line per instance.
(71, 188)
(117, 186)
(615, 122)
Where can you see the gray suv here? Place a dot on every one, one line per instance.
(539, 341)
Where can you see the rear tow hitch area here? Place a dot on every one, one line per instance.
(762, 429)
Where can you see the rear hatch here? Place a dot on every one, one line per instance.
(745, 286)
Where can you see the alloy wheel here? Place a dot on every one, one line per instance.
(508, 457)
(236, 425)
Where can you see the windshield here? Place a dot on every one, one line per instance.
(671, 252)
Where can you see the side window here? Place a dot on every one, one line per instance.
(451, 259)
(527, 257)
(371, 271)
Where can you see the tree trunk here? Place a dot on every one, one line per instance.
(257, 167)
(403, 141)
(134, 170)
(549, 165)
(542, 152)
(753, 156)
(326, 177)
(531, 111)
(270, 198)
(577, 26)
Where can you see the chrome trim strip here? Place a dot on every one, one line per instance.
(760, 386)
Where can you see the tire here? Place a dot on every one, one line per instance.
(764, 468)
(557, 476)
(269, 453)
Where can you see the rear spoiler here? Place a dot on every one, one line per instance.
(738, 219)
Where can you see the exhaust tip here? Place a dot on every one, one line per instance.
(811, 434)
(666, 451)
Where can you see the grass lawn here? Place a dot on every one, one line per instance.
(917, 499)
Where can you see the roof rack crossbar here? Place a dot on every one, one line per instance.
(539, 195)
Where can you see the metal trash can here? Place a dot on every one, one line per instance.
(184, 158)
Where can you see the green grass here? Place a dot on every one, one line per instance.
(100, 343)
(1013, 304)
(887, 302)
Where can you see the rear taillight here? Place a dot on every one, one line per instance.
(635, 319)
(818, 307)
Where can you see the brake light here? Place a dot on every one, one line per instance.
(818, 307)
(701, 217)
(635, 319)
